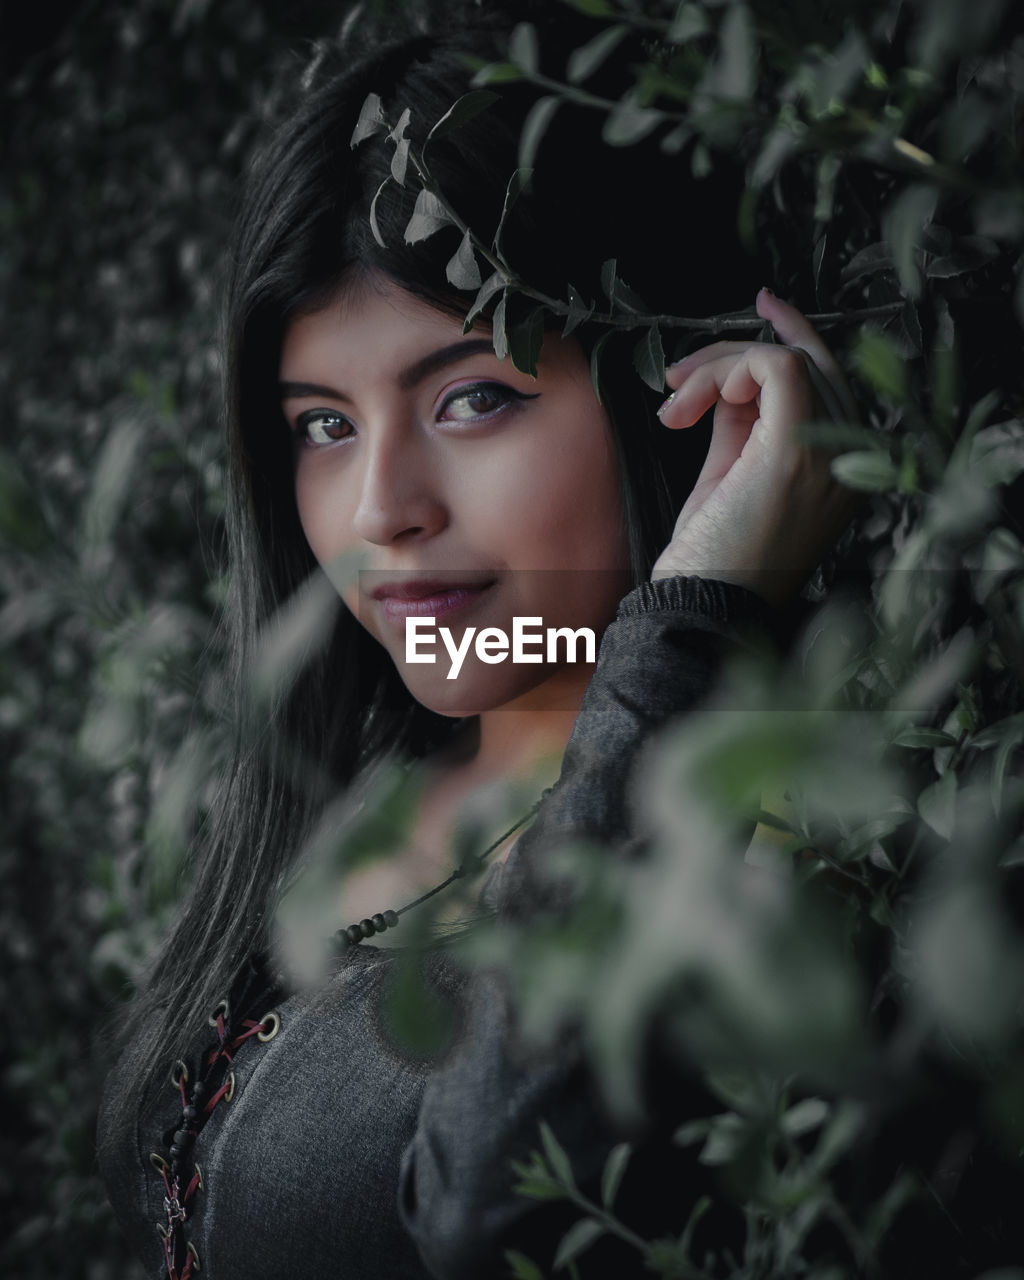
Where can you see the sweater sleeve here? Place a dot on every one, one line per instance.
(482, 1106)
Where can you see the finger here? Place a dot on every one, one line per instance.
(796, 330)
(677, 373)
(729, 435)
(775, 379)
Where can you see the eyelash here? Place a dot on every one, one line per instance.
(509, 398)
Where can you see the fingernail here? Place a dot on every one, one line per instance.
(769, 292)
(666, 404)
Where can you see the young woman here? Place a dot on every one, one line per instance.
(252, 1130)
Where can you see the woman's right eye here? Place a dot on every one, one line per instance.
(321, 426)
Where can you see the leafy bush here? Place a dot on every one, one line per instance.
(876, 964)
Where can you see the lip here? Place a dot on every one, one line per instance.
(426, 598)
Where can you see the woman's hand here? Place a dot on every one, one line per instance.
(765, 507)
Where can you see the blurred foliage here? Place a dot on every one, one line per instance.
(129, 127)
(882, 927)
(857, 968)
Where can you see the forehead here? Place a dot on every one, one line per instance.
(372, 328)
(370, 315)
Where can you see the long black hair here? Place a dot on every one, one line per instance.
(304, 224)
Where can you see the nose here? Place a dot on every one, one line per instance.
(400, 497)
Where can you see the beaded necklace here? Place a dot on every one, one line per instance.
(383, 920)
(181, 1184)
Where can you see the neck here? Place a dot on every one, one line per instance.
(529, 735)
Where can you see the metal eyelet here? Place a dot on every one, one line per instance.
(231, 1087)
(179, 1074)
(158, 1162)
(223, 1010)
(162, 1232)
(199, 1175)
(272, 1022)
(194, 1256)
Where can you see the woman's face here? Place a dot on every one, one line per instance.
(469, 492)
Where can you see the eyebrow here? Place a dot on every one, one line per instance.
(407, 378)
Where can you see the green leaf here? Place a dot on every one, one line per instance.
(834, 436)
(673, 142)
(923, 737)
(808, 1114)
(371, 120)
(517, 184)
(904, 224)
(689, 22)
(937, 805)
(428, 215)
(374, 224)
(1010, 728)
(465, 108)
(578, 1238)
(735, 70)
(578, 312)
(522, 48)
(725, 1139)
(968, 254)
(649, 359)
(595, 364)
(400, 160)
(691, 1132)
(498, 328)
(879, 361)
(462, 270)
(497, 73)
(998, 451)
(556, 1156)
(539, 1189)
(696, 1213)
(534, 127)
(629, 123)
(525, 340)
(614, 1168)
(866, 470)
(111, 481)
(584, 61)
(486, 292)
(618, 293)
(1000, 763)
(522, 1267)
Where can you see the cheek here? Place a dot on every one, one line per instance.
(323, 513)
(574, 503)
(326, 523)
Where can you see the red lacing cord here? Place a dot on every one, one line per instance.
(177, 1209)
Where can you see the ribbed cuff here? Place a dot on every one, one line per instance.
(721, 602)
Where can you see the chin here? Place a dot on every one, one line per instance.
(476, 689)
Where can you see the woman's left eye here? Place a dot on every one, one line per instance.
(481, 400)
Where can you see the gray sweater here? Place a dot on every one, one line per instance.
(339, 1153)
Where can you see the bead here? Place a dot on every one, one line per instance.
(189, 1114)
(379, 923)
(355, 934)
(183, 1139)
(199, 1093)
(391, 918)
(176, 1154)
(367, 929)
